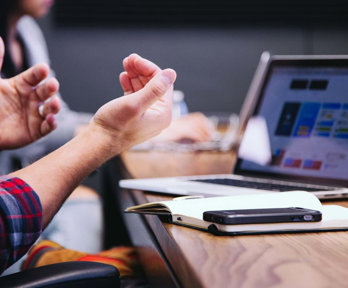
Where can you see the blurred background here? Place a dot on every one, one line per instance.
(213, 45)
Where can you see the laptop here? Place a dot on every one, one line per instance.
(303, 103)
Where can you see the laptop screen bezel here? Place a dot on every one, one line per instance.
(291, 61)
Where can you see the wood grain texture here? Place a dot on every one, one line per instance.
(301, 260)
(276, 260)
(173, 254)
(171, 163)
(154, 265)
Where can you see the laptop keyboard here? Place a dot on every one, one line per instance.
(259, 185)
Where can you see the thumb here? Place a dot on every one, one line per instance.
(156, 88)
(2, 52)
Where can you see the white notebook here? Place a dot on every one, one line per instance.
(189, 212)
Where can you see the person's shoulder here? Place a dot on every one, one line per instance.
(30, 30)
(28, 24)
(34, 40)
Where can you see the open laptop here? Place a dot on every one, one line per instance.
(304, 102)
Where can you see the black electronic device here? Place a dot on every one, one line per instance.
(267, 215)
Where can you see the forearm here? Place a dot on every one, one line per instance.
(116, 126)
(55, 176)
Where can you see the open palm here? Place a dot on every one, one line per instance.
(20, 98)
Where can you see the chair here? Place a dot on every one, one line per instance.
(65, 275)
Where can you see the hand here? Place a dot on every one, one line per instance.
(20, 98)
(138, 72)
(136, 117)
(194, 127)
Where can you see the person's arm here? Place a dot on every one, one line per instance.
(20, 219)
(116, 126)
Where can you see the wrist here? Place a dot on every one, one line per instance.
(103, 143)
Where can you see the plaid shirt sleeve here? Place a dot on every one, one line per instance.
(20, 219)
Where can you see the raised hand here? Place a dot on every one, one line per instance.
(138, 72)
(194, 127)
(136, 117)
(25, 115)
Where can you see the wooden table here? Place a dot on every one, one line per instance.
(144, 164)
(175, 256)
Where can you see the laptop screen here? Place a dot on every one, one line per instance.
(305, 107)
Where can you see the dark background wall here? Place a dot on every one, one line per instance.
(215, 63)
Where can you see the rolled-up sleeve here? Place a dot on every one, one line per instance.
(20, 219)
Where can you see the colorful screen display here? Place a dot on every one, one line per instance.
(306, 111)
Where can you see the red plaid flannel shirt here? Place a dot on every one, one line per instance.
(20, 219)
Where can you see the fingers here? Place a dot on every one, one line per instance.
(197, 134)
(33, 76)
(128, 65)
(205, 132)
(48, 125)
(203, 135)
(160, 84)
(137, 83)
(2, 52)
(194, 127)
(47, 89)
(145, 67)
(135, 65)
(155, 89)
(132, 85)
(50, 107)
(133, 74)
(139, 72)
(126, 83)
(201, 124)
